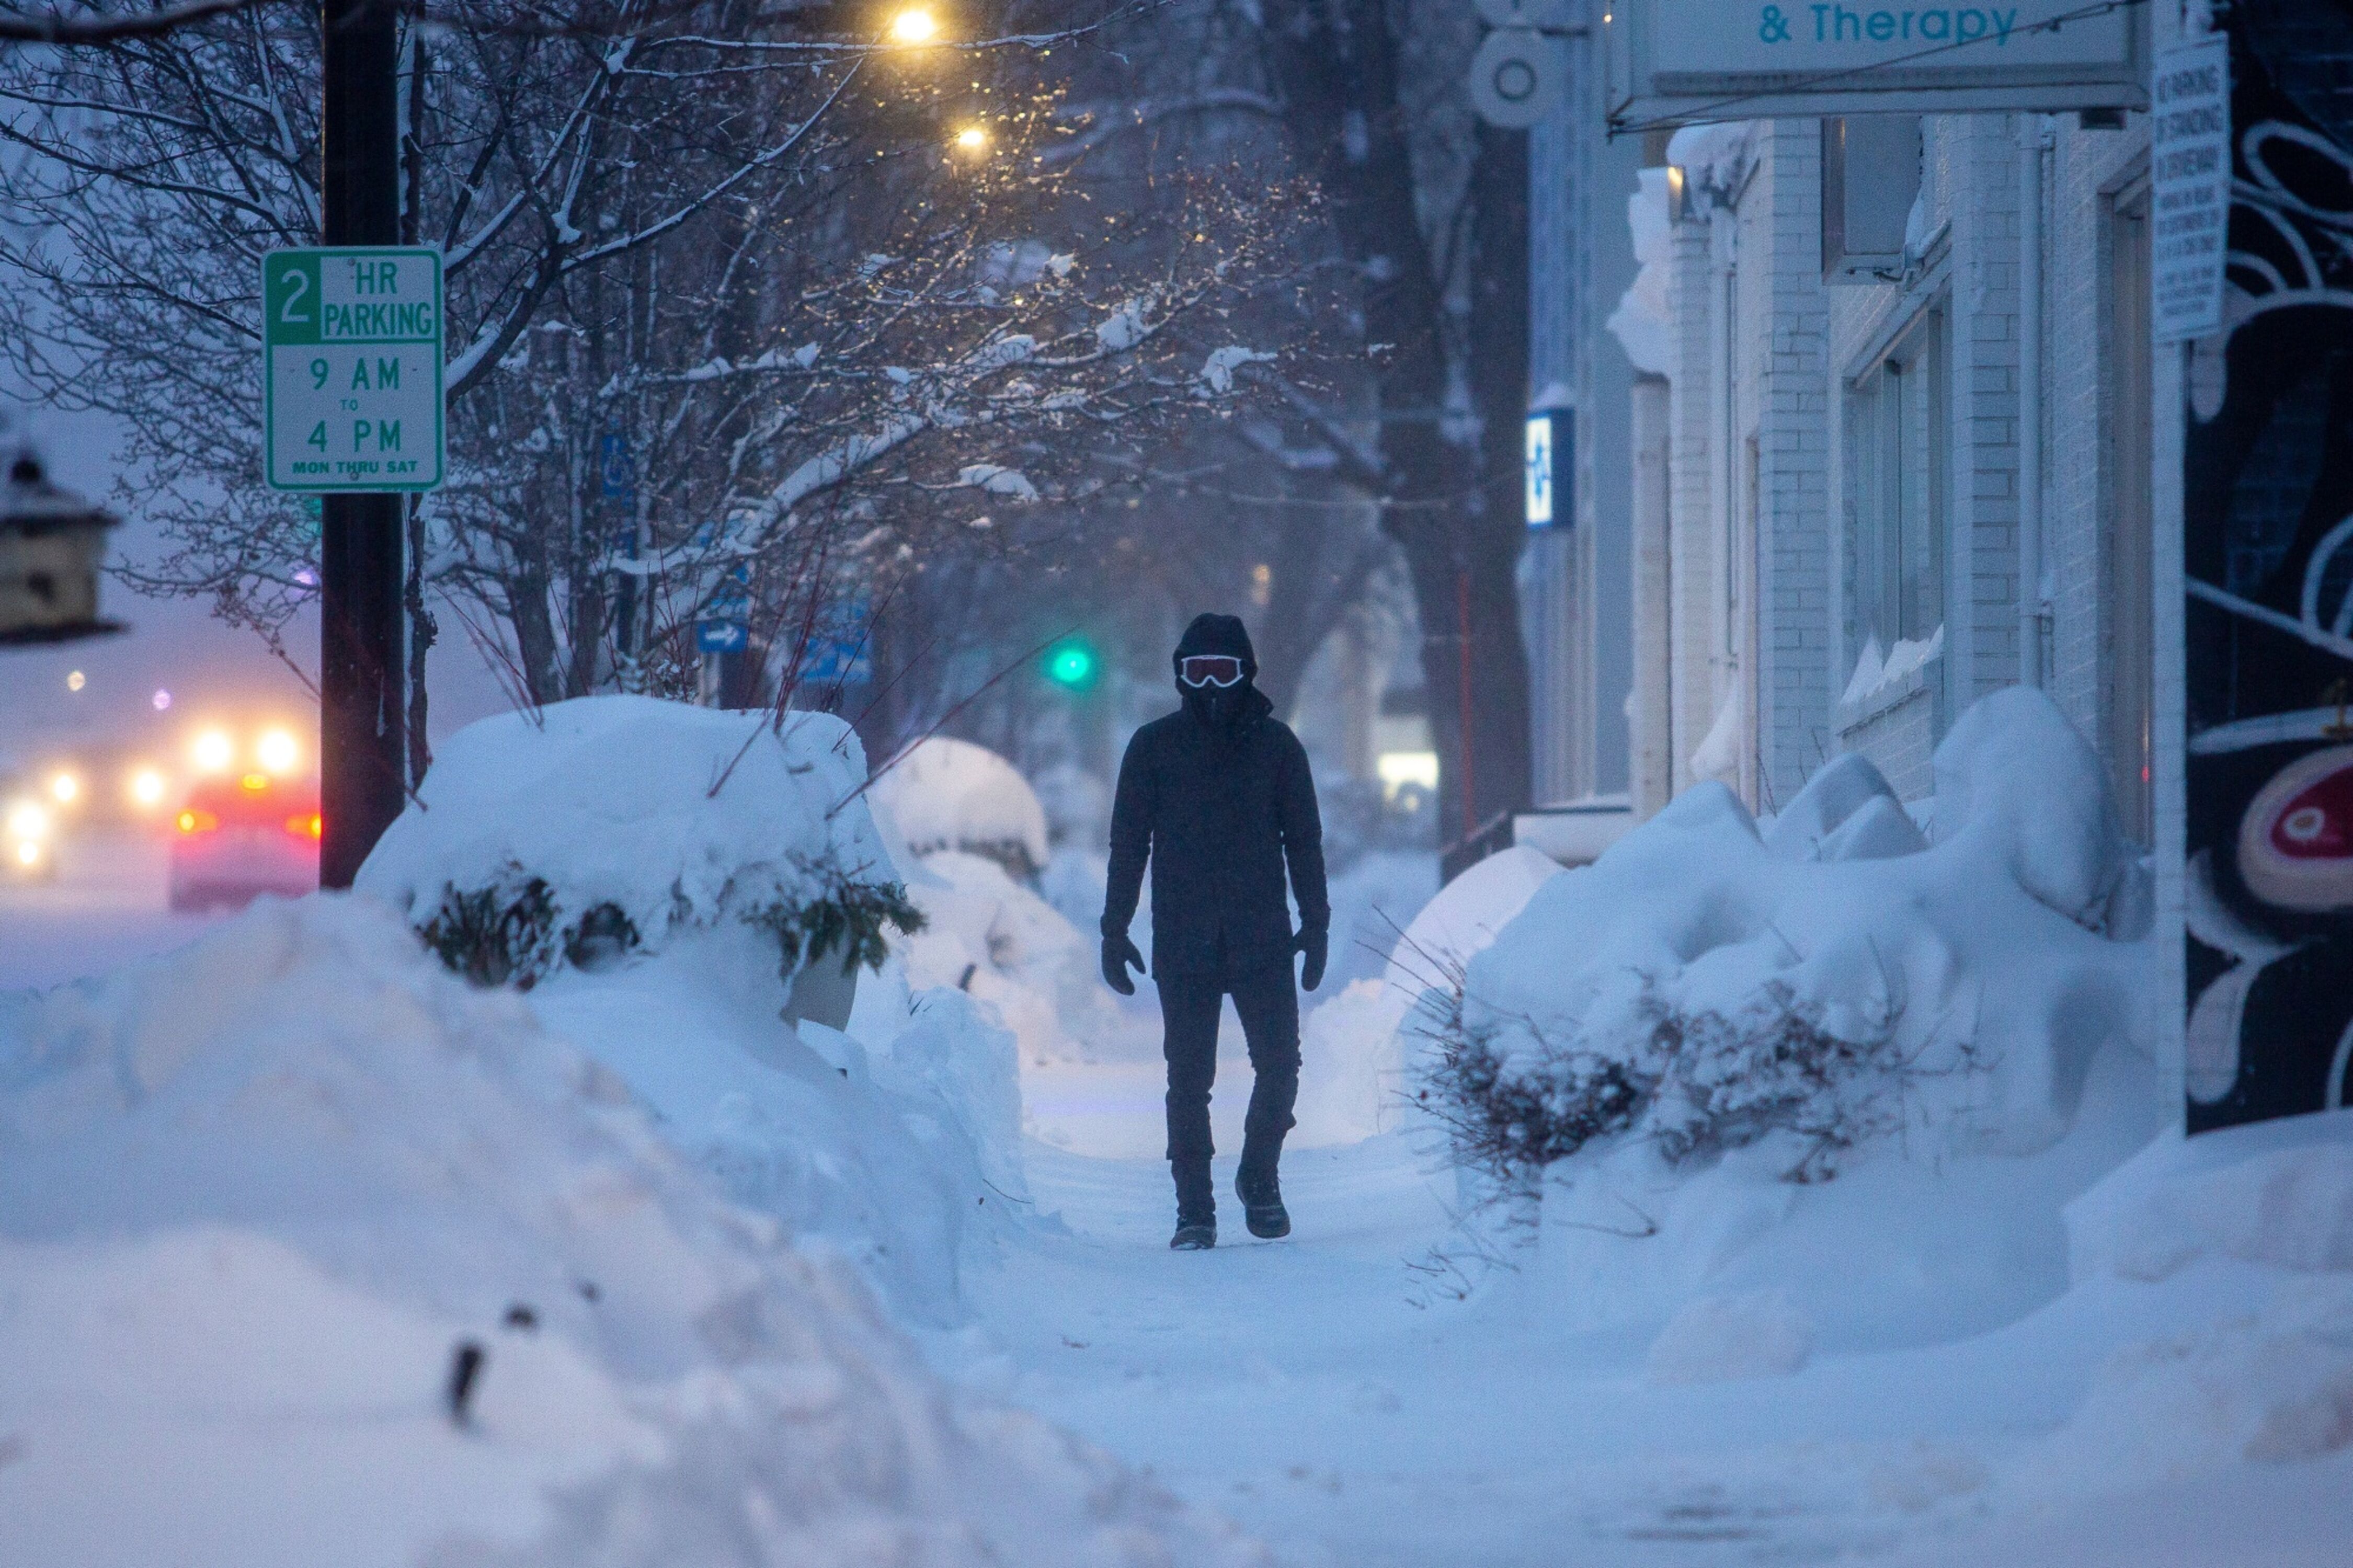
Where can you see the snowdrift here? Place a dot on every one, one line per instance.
(986, 934)
(1836, 977)
(975, 842)
(947, 794)
(596, 827)
(265, 1195)
(1820, 1086)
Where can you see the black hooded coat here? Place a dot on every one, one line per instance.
(1217, 798)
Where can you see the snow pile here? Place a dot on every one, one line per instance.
(1351, 1066)
(606, 823)
(1352, 1069)
(1643, 322)
(894, 1148)
(986, 934)
(1697, 987)
(309, 1252)
(1720, 1338)
(946, 793)
(974, 837)
(2242, 1240)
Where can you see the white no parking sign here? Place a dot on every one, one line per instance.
(351, 369)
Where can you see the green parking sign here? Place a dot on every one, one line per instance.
(352, 365)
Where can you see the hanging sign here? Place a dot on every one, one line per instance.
(351, 374)
(2190, 188)
(1741, 60)
(1517, 78)
(1551, 468)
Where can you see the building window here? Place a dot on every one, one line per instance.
(1901, 443)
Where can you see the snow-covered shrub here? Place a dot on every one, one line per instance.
(947, 794)
(1700, 987)
(607, 824)
(1696, 1082)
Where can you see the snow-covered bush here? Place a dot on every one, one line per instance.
(947, 794)
(1702, 987)
(265, 1196)
(606, 824)
(1697, 1082)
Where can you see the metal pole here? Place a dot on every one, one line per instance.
(363, 719)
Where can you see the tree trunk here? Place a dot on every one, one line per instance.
(1495, 535)
(1335, 67)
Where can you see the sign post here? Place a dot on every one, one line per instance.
(363, 699)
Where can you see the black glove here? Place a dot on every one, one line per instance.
(1118, 954)
(1316, 941)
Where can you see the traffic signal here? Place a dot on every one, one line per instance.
(1072, 665)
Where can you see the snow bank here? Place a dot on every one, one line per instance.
(2245, 1239)
(1351, 1066)
(893, 1148)
(1466, 916)
(1352, 1069)
(1720, 1338)
(947, 794)
(262, 1194)
(672, 817)
(988, 935)
(1973, 966)
(2278, 1194)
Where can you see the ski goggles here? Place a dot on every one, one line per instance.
(1220, 669)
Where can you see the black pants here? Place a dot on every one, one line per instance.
(1268, 1004)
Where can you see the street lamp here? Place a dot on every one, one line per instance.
(915, 24)
(972, 138)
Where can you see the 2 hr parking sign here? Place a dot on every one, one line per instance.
(352, 365)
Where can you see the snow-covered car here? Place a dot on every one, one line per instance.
(236, 838)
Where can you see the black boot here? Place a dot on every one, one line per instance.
(1197, 1209)
(1262, 1194)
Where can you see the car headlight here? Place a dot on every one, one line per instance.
(27, 822)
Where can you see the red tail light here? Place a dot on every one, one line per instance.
(199, 821)
(305, 824)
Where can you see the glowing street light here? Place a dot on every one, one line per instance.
(66, 789)
(915, 24)
(213, 752)
(1072, 665)
(147, 787)
(972, 138)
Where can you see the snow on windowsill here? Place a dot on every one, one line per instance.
(1880, 685)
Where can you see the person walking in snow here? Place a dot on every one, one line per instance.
(1218, 798)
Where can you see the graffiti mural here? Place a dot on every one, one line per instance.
(2268, 551)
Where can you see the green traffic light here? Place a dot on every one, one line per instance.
(1072, 665)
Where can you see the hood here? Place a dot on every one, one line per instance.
(1216, 633)
(1236, 705)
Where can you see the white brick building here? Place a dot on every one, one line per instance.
(1896, 483)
